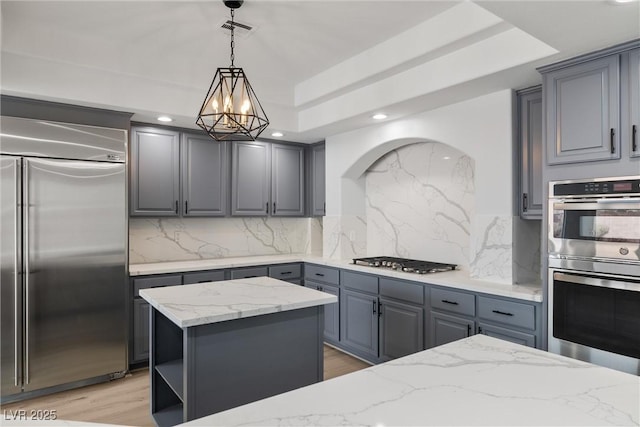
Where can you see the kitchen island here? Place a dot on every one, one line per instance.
(475, 381)
(218, 345)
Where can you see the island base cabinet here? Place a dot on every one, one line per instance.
(218, 366)
(446, 328)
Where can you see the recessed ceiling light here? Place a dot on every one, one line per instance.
(277, 134)
(379, 116)
(165, 119)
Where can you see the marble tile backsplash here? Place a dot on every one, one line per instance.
(181, 239)
(420, 204)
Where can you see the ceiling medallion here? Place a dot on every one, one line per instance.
(231, 111)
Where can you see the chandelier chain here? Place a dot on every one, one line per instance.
(232, 39)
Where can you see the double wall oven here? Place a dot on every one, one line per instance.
(594, 271)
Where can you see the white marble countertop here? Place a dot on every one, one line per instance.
(211, 302)
(454, 279)
(475, 381)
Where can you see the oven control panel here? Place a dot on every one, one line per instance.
(586, 188)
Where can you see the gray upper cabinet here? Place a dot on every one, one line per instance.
(267, 179)
(318, 200)
(155, 172)
(631, 89)
(287, 180)
(203, 176)
(582, 104)
(529, 118)
(250, 179)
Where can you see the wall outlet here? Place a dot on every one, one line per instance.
(352, 235)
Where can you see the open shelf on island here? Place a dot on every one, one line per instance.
(173, 374)
(170, 416)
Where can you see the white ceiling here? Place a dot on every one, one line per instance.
(318, 67)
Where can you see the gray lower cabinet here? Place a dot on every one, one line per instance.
(582, 107)
(140, 347)
(359, 323)
(289, 272)
(446, 328)
(401, 329)
(204, 182)
(529, 120)
(267, 179)
(507, 334)
(243, 273)
(318, 200)
(155, 172)
(331, 311)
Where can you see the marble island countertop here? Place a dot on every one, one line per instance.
(455, 279)
(475, 381)
(211, 302)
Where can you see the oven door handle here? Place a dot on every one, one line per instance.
(603, 282)
(599, 204)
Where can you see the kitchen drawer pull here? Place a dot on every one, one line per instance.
(320, 274)
(449, 302)
(502, 312)
(613, 146)
(282, 273)
(634, 142)
(249, 277)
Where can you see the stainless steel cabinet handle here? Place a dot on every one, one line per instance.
(15, 270)
(25, 213)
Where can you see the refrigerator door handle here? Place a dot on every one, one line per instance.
(16, 275)
(25, 213)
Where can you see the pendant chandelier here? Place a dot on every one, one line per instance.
(231, 111)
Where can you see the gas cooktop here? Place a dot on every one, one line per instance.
(403, 264)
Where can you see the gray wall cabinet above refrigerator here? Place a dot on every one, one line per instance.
(318, 199)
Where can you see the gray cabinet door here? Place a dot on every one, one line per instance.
(250, 179)
(204, 180)
(507, 334)
(530, 139)
(331, 311)
(140, 330)
(401, 329)
(287, 180)
(155, 172)
(359, 325)
(630, 127)
(318, 200)
(446, 328)
(582, 112)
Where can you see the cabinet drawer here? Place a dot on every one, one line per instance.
(204, 276)
(507, 312)
(360, 282)
(324, 274)
(455, 302)
(400, 290)
(244, 273)
(285, 271)
(155, 282)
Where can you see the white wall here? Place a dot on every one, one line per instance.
(479, 127)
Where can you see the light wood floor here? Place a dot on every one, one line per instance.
(126, 401)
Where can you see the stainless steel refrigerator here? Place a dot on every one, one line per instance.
(63, 238)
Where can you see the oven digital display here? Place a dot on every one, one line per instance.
(622, 186)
